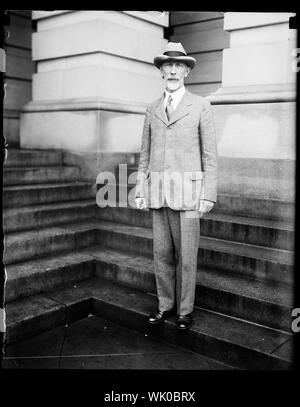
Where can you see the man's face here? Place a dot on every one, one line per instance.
(174, 73)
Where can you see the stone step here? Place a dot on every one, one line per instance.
(253, 186)
(247, 186)
(248, 206)
(128, 216)
(265, 304)
(39, 216)
(33, 315)
(21, 246)
(31, 158)
(235, 343)
(38, 175)
(23, 195)
(96, 343)
(36, 276)
(257, 262)
(261, 232)
(261, 263)
(229, 340)
(273, 209)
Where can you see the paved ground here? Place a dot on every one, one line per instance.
(94, 343)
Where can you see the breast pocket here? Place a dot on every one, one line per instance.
(192, 130)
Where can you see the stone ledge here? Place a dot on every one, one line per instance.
(84, 104)
(40, 14)
(97, 82)
(238, 21)
(87, 36)
(155, 17)
(254, 94)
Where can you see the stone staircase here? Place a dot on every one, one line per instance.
(66, 258)
(45, 221)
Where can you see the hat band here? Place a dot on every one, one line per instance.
(175, 54)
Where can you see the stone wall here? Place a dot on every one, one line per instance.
(202, 35)
(243, 67)
(94, 78)
(19, 70)
(255, 108)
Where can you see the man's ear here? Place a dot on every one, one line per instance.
(188, 70)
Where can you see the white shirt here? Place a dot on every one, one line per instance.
(176, 97)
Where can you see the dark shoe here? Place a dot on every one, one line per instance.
(184, 322)
(159, 316)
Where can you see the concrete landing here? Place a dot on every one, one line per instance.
(94, 343)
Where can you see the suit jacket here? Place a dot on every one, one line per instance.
(178, 158)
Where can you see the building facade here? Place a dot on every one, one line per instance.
(94, 76)
(77, 86)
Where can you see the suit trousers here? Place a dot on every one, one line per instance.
(175, 246)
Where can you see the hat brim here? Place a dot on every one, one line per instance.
(160, 59)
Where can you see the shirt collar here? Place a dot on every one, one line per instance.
(175, 95)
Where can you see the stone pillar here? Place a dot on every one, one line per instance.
(255, 107)
(94, 77)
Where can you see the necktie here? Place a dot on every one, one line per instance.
(169, 107)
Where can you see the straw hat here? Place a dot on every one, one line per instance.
(174, 52)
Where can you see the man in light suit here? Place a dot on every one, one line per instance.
(177, 180)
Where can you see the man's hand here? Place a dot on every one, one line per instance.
(205, 206)
(141, 203)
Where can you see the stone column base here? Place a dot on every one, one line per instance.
(95, 134)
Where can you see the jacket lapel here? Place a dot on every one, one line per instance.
(182, 108)
(181, 111)
(160, 111)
